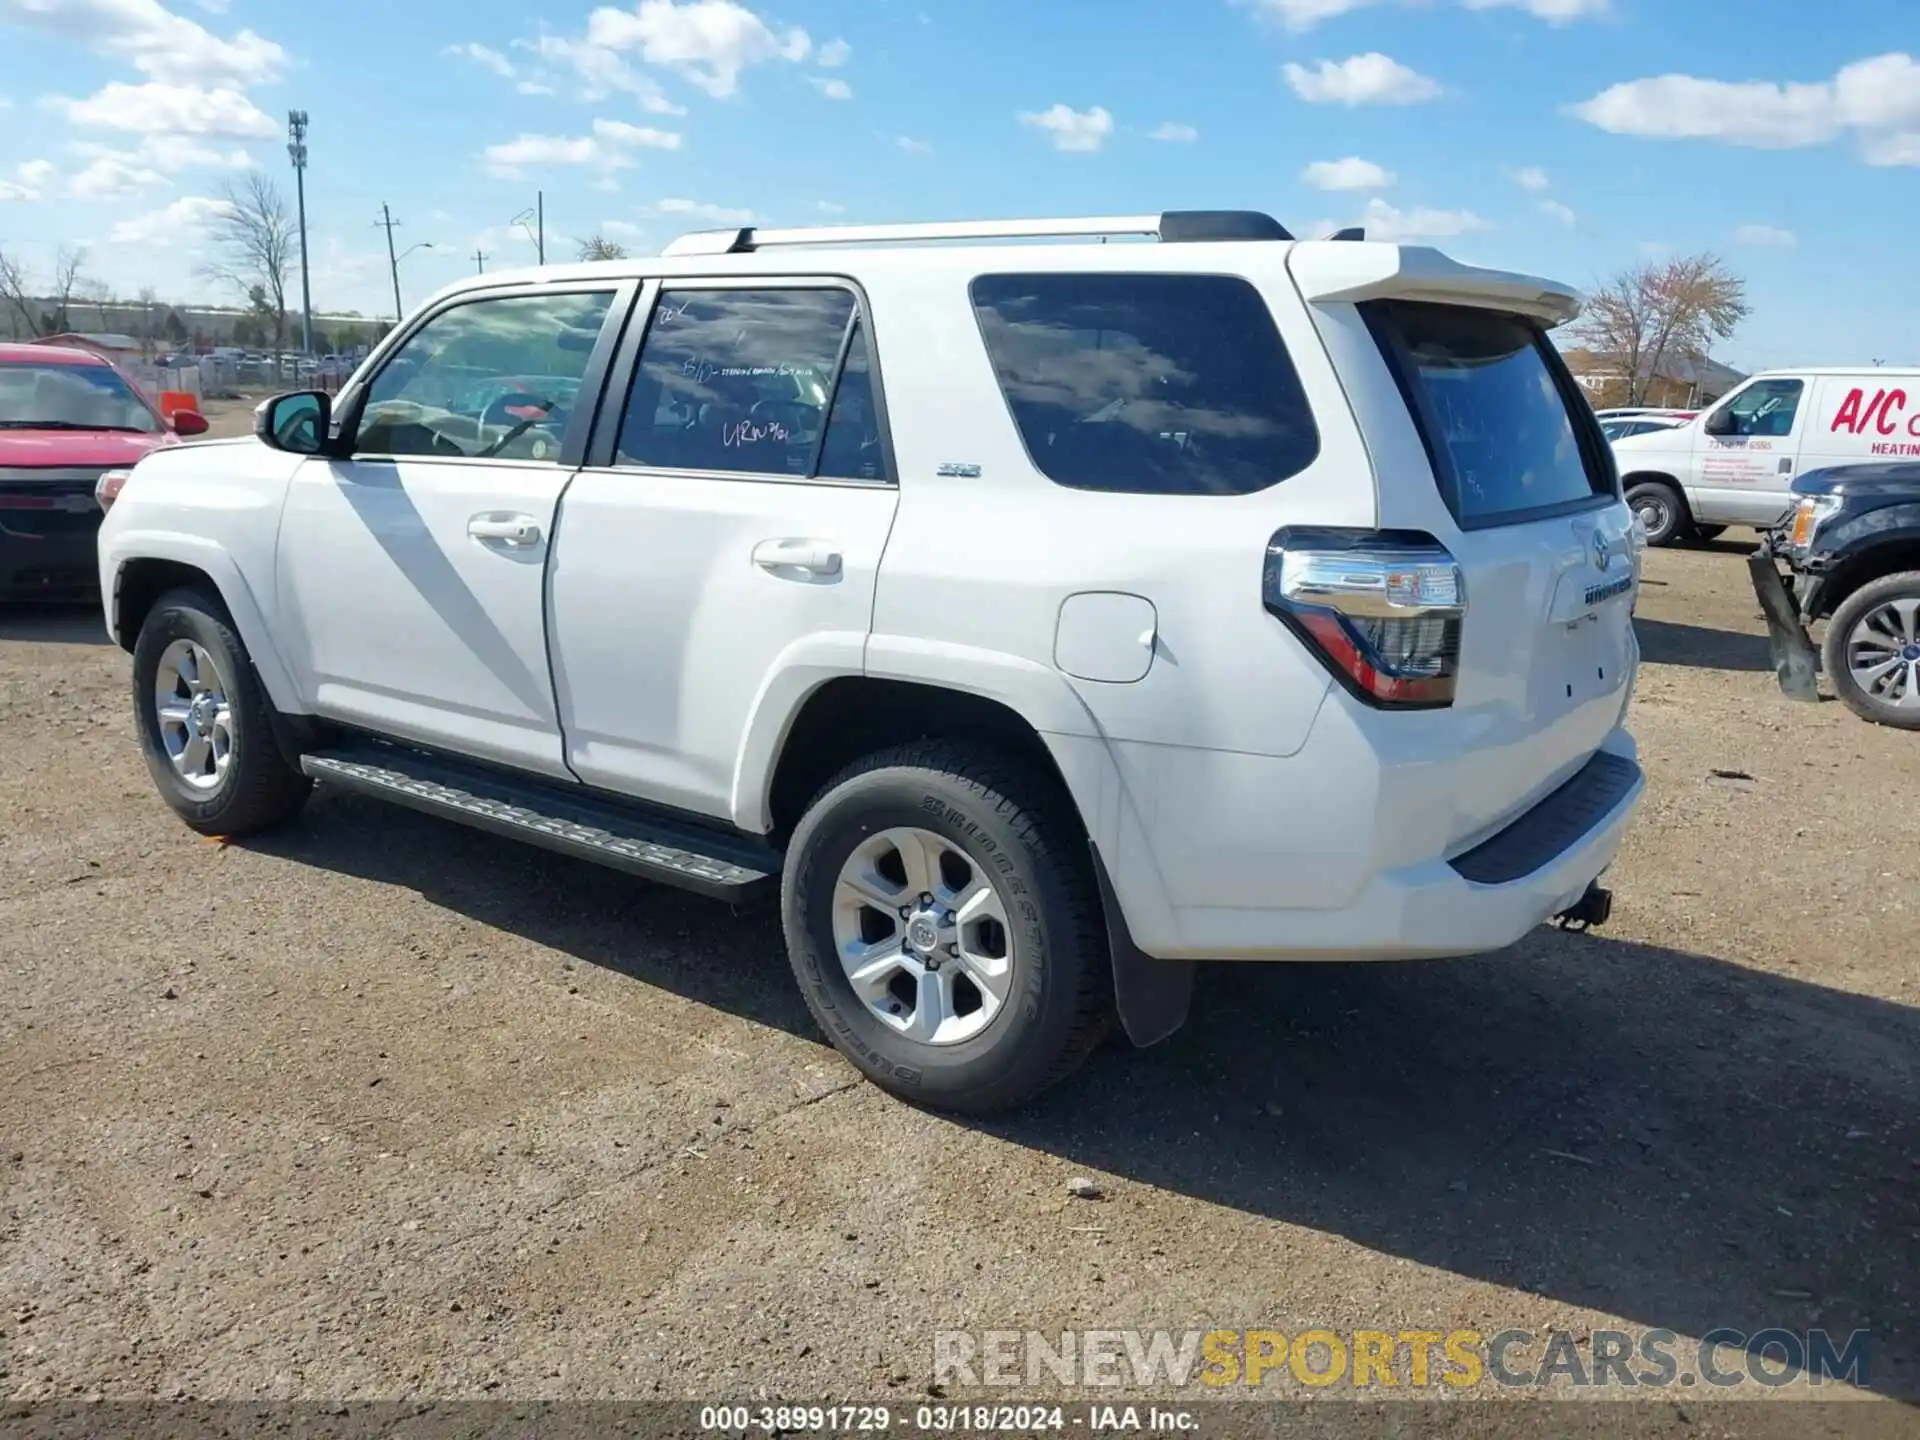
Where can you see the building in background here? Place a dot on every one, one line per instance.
(1677, 384)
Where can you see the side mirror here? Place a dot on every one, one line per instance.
(1722, 422)
(296, 423)
(188, 422)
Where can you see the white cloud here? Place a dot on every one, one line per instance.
(1352, 173)
(601, 72)
(168, 109)
(709, 43)
(608, 148)
(621, 229)
(1369, 79)
(484, 56)
(170, 225)
(113, 175)
(154, 40)
(1554, 12)
(1174, 133)
(1072, 131)
(1877, 99)
(830, 86)
(1529, 177)
(533, 87)
(32, 179)
(912, 146)
(827, 207)
(1768, 235)
(1554, 209)
(1305, 14)
(1390, 223)
(701, 210)
(834, 52)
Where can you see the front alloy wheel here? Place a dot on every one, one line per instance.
(195, 717)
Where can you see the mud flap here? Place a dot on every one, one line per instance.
(1152, 996)
(1795, 662)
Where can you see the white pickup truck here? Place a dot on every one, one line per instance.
(1038, 618)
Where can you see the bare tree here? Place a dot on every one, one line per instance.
(599, 247)
(258, 247)
(147, 317)
(21, 319)
(67, 281)
(1646, 319)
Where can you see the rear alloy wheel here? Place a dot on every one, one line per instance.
(1872, 651)
(1659, 509)
(942, 918)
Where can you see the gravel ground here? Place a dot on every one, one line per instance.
(379, 1107)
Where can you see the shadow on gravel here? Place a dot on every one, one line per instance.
(1664, 642)
(53, 624)
(1660, 1135)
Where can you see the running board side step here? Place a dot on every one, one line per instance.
(573, 822)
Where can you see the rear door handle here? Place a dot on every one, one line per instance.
(816, 557)
(516, 530)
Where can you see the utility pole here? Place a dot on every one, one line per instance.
(297, 152)
(540, 211)
(393, 263)
(479, 260)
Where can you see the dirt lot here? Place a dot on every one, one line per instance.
(380, 1107)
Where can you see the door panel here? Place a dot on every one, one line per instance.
(1744, 478)
(667, 627)
(413, 565)
(414, 626)
(728, 553)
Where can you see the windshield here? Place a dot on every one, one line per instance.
(55, 396)
(1500, 418)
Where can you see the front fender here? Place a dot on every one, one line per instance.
(121, 547)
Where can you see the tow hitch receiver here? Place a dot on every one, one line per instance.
(1795, 662)
(1593, 908)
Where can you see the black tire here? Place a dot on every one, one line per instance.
(1708, 533)
(262, 786)
(1662, 510)
(1002, 813)
(1834, 650)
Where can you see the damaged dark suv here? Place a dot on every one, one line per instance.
(1848, 552)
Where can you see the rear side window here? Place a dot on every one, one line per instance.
(1147, 384)
(768, 382)
(1509, 436)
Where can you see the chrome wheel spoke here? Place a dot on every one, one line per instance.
(174, 715)
(869, 972)
(1870, 671)
(919, 855)
(932, 1005)
(1903, 617)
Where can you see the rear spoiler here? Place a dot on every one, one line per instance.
(1351, 273)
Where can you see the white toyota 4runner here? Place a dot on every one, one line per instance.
(1039, 618)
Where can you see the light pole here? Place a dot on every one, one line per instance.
(534, 222)
(417, 245)
(297, 152)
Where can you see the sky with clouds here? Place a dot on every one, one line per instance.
(1566, 137)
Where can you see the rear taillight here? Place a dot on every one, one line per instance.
(1381, 608)
(107, 489)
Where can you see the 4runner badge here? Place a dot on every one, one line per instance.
(958, 470)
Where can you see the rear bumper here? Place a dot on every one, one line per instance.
(47, 556)
(1246, 858)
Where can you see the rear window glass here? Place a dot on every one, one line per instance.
(1494, 408)
(1147, 384)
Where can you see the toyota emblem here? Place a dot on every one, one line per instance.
(1602, 551)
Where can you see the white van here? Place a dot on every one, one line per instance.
(1734, 464)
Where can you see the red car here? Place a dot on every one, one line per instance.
(66, 417)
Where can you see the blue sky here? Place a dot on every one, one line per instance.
(1567, 137)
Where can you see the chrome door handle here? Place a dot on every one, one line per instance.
(517, 530)
(816, 557)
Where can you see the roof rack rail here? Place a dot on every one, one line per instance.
(1352, 232)
(1172, 227)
